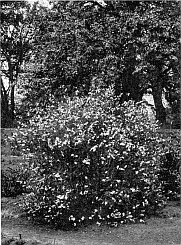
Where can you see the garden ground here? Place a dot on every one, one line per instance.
(163, 230)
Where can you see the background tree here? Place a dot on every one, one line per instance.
(16, 37)
(159, 59)
(132, 45)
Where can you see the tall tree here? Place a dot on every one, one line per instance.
(16, 37)
(133, 45)
(159, 59)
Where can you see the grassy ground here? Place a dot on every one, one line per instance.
(164, 230)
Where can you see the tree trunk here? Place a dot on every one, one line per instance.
(12, 90)
(157, 96)
(12, 104)
(4, 107)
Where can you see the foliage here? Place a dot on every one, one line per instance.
(13, 172)
(170, 164)
(92, 159)
(17, 35)
(65, 48)
(134, 46)
(12, 182)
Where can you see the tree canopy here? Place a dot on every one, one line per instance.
(16, 38)
(133, 46)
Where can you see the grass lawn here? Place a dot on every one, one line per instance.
(163, 230)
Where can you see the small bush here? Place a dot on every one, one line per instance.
(13, 182)
(93, 160)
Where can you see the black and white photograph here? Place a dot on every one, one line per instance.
(90, 122)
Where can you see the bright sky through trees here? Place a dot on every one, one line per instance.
(42, 2)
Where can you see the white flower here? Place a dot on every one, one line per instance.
(82, 218)
(60, 197)
(86, 161)
(72, 218)
(57, 175)
(57, 140)
(94, 148)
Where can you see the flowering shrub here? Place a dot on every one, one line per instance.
(92, 160)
